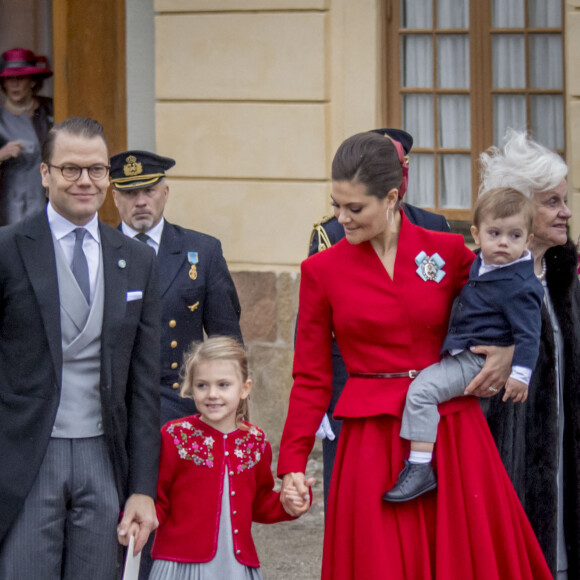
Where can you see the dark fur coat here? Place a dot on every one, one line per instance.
(527, 434)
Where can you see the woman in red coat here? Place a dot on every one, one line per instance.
(385, 292)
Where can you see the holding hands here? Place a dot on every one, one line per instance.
(295, 493)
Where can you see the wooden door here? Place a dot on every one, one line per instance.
(89, 70)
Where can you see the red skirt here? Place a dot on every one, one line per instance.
(471, 527)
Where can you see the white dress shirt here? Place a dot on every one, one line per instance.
(63, 232)
(154, 234)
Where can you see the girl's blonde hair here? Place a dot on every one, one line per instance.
(216, 348)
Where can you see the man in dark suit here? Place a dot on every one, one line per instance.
(79, 365)
(327, 233)
(197, 291)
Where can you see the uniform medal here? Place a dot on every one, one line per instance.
(192, 259)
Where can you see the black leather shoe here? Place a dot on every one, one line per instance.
(415, 480)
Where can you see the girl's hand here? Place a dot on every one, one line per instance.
(495, 372)
(11, 149)
(515, 390)
(295, 494)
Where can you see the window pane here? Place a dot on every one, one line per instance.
(454, 121)
(509, 61)
(416, 13)
(545, 13)
(546, 61)
(508, 111)
(454, 181)
(421, 180)
(547, 120)
(418, 119)
(453, 62)
(417, 61)
(452, 14)
(507, 13)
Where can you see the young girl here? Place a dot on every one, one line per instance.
(214, 477)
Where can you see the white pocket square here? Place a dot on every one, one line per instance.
(134, 295)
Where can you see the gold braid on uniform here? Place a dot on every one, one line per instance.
(323, 239)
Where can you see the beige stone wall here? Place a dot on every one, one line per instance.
(253, 97)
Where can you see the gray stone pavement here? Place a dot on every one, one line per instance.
(293, 550)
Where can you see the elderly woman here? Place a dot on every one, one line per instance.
(539, 441)
(385, 292)
(25, 119)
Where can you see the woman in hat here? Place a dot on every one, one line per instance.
(25, 119)
(385, 292)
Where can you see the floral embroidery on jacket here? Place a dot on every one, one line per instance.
(192, 444)
(249, 449)
(195, 444)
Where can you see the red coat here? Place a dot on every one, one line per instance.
(380, 326)
(189, 492)
(472, 527)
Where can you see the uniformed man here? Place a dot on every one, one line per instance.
(196, 288)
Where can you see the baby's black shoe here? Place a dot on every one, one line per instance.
(415, 480)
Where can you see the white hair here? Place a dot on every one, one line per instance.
(522, 164)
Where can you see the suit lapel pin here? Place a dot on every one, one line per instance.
(430, 267)
(192, 259)
(194, 306)
(122, 264)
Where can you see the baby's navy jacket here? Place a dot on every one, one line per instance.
(501, 307)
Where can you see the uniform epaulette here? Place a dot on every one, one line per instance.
(323, 239)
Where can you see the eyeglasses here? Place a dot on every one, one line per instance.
(73, 172)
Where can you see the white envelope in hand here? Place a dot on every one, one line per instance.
(134, 295)
(132, 562)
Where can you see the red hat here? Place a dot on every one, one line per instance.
(19, 62)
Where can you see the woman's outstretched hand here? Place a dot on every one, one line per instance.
(295, 493)
(495, 372)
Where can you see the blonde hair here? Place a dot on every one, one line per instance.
(216, 348)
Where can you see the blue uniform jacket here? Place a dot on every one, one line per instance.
(501, 307)
(195, 297)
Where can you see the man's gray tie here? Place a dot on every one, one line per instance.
(80, 266)
(142, 237)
